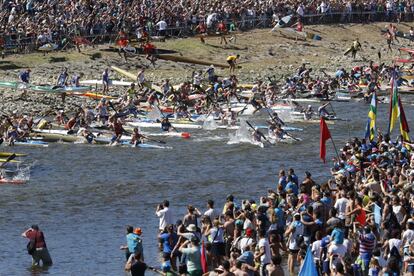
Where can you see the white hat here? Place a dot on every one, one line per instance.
(191, 228)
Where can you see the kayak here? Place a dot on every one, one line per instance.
(54, 137)
(34, 143)
(12, 181)
(59, 89)
(158, 125)
(184, 135)
(7, 154)
(95, 96)
(13, 85)
(11, 161)
(143, 145)
(48, 47)
(111, 82)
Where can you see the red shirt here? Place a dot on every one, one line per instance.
(40, 239)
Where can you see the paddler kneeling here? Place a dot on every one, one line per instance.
(322, 112)
(257, 135)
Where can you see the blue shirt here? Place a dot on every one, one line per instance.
(132, 242)
(338, 236)
(283, 182)
(294, 178)
(280, 215)
(293, 187)
(168, 242)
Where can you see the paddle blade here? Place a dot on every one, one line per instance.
(185, 135)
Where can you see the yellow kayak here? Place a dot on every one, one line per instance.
(7, 154)
(11, 161)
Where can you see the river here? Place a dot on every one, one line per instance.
(83, 196)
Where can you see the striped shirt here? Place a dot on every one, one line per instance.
(366, 243)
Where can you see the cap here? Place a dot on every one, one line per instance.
(220, 269)
(249, 232)
(138, 231)
(191, 228)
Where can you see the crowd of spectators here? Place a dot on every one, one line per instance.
(26, 21)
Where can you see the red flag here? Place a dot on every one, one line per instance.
(325, 135)
(203, 258)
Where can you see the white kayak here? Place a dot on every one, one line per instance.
(111, 82)
(158, 125)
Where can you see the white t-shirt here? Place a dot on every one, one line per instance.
(212, 213)
(340, 206)
(245, 242)
(408, 235)
(165, 216)
(266, 257)
(338, 249)
(316, 249)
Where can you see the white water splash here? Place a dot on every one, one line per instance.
(209, 123)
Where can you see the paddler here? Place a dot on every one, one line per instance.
(62, 78)
(131, 90)
(12, 135)
(60, 117)
(116, 125)
(222, 30)
(24, 77)
(323, 112)
(105, 80)
(86, 134)
(76, 79)
(211, 74)
(165, 124)
(141, 78)
(137, 138)
(257, 135)
(356, 46)
(231, 60)
(102, 109)
(308, 113)
(71, 123)
(229, 117)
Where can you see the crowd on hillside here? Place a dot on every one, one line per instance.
(360, 222)
(27, 21)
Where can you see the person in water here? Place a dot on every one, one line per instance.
(165, 124)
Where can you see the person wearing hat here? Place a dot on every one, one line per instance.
(247, 240)
(191, 250)
(134, 242)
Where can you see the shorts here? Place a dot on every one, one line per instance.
(218, 249)
(231, 63)
(166, 256)
(293, 251)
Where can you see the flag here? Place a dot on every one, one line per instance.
(325, 135)
(308, 267)
(404, 129)
(372, 117)
(394, 110)
(203, 258)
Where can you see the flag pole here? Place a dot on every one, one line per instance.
(336, 150)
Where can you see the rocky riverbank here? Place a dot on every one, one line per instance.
(263, 55)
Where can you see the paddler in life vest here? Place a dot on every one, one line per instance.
(231, 60)
(71, 123)
(105, 81)
(222, 30)
(165, 124)
(116, 125)
(137, 138)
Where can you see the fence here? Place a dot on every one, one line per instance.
(18, 43)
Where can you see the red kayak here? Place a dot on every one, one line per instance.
(12, 181)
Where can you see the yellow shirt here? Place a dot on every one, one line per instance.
(231, 58)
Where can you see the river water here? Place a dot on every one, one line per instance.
(83, 196)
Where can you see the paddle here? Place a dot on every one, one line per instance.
(258, 131)
(274, 120)
(10, 158)
(162, 114)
